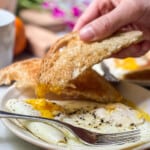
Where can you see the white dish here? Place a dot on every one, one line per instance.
(138, 95)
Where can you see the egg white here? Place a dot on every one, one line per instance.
(44, 131)
(75, 111)
(99, 118)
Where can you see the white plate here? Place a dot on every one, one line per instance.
(137, 94)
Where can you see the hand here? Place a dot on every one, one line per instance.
(104, 17)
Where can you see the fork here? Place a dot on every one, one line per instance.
(108, 75)
(85, 136)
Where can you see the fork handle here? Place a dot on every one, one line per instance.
(83, 134)
(5, 114)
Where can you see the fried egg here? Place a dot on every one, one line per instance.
(102, 118)
(44, 131)
(120, 67)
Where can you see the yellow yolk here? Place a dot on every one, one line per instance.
(110, 108)
(46, 108)
(140, 113)
(42, 90)
(127, 63)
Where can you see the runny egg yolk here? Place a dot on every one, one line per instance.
(127, 63)
(46, 108)
(42, 89)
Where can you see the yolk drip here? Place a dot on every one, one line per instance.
(46, 108)
(140, 113)
(42, 89)
(127, 63)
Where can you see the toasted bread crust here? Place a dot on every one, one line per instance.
(25, 73)
(70, 56)
(89, 85)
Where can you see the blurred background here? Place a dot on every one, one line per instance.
(39, 23)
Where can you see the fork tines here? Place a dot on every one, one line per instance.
(118, 138)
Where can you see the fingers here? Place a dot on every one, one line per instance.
(107, 24)
(95, 10)
(134, 50)
(90, 14)
(145, 48)
(128, 52)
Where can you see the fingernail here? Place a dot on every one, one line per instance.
(87, 33)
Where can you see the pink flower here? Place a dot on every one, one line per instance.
(76, 11)
(58, 12)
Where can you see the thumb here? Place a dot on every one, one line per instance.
(107, 24)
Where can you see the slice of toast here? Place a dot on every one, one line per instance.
(70, 57)
(24, 73)
(89, 85)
